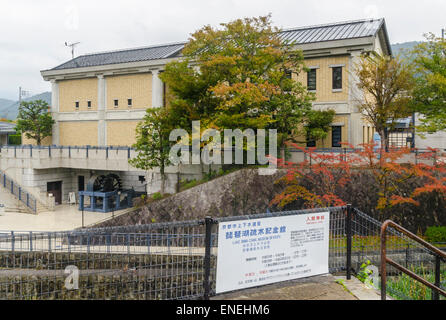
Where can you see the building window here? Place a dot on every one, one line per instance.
(311, 143)
(76, 104)
(89, 104)
(337, 78)
(129, 102)
(288, 74)
(311, 79)
(116, 103)
(336, 136)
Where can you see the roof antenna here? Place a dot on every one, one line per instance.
(72, 45)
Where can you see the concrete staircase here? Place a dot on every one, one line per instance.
(13, 204)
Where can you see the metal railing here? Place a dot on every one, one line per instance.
(51, 149)
(69, 149)
(174, 260)
(14, 188)
(439, 257)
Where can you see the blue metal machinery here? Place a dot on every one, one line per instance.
(105, 194)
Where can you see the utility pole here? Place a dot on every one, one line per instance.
(442, 33)
(22, 93)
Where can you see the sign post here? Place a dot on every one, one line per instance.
(262, 251)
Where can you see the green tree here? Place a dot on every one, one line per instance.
(241, 75)
(152, 142)
(34, 120)
(318, 125)
(386, 83)
(430, 90)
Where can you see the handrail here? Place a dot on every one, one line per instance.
(24, 196)
(384, 260)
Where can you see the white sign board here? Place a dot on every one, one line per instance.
(72, 197)
(262, 251)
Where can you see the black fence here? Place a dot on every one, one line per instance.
(162, 260)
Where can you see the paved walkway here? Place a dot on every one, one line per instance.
(65, 217)
(322, 287)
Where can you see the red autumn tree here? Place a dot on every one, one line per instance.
(398, 177)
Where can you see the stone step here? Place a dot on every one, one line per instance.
(13, 204)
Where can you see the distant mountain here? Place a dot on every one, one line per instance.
(5, 103)
(401, 48)
(11, 110)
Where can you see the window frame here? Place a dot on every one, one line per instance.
(315, 79)
(339, 145)
(335, 81)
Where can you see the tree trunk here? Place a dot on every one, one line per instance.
(384, 139)
(163, 179)
(178, 178)
(282, 153)
(383, 147)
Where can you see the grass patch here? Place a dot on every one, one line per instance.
(211, 175)
(403, 287)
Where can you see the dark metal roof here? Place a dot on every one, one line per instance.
(123, 56)
(334, 31)
(7, 128)
(311, 34)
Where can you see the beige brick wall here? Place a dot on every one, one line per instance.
(137, 87)
(78, 133)
(326, 143)
(121, 133)
(81, 90)
(324, 76)
(45, 142)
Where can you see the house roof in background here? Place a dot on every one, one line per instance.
(302, 35)
(7, 128)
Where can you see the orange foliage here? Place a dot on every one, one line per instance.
(330, 171)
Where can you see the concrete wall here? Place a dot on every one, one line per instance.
(436, 140)
(36, 180)
(3, 139)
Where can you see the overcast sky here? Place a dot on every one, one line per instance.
(33, 33)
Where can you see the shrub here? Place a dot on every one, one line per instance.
(187, 184)
(436, 234)
(384, 185)
(15, 139)
(157, 196)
